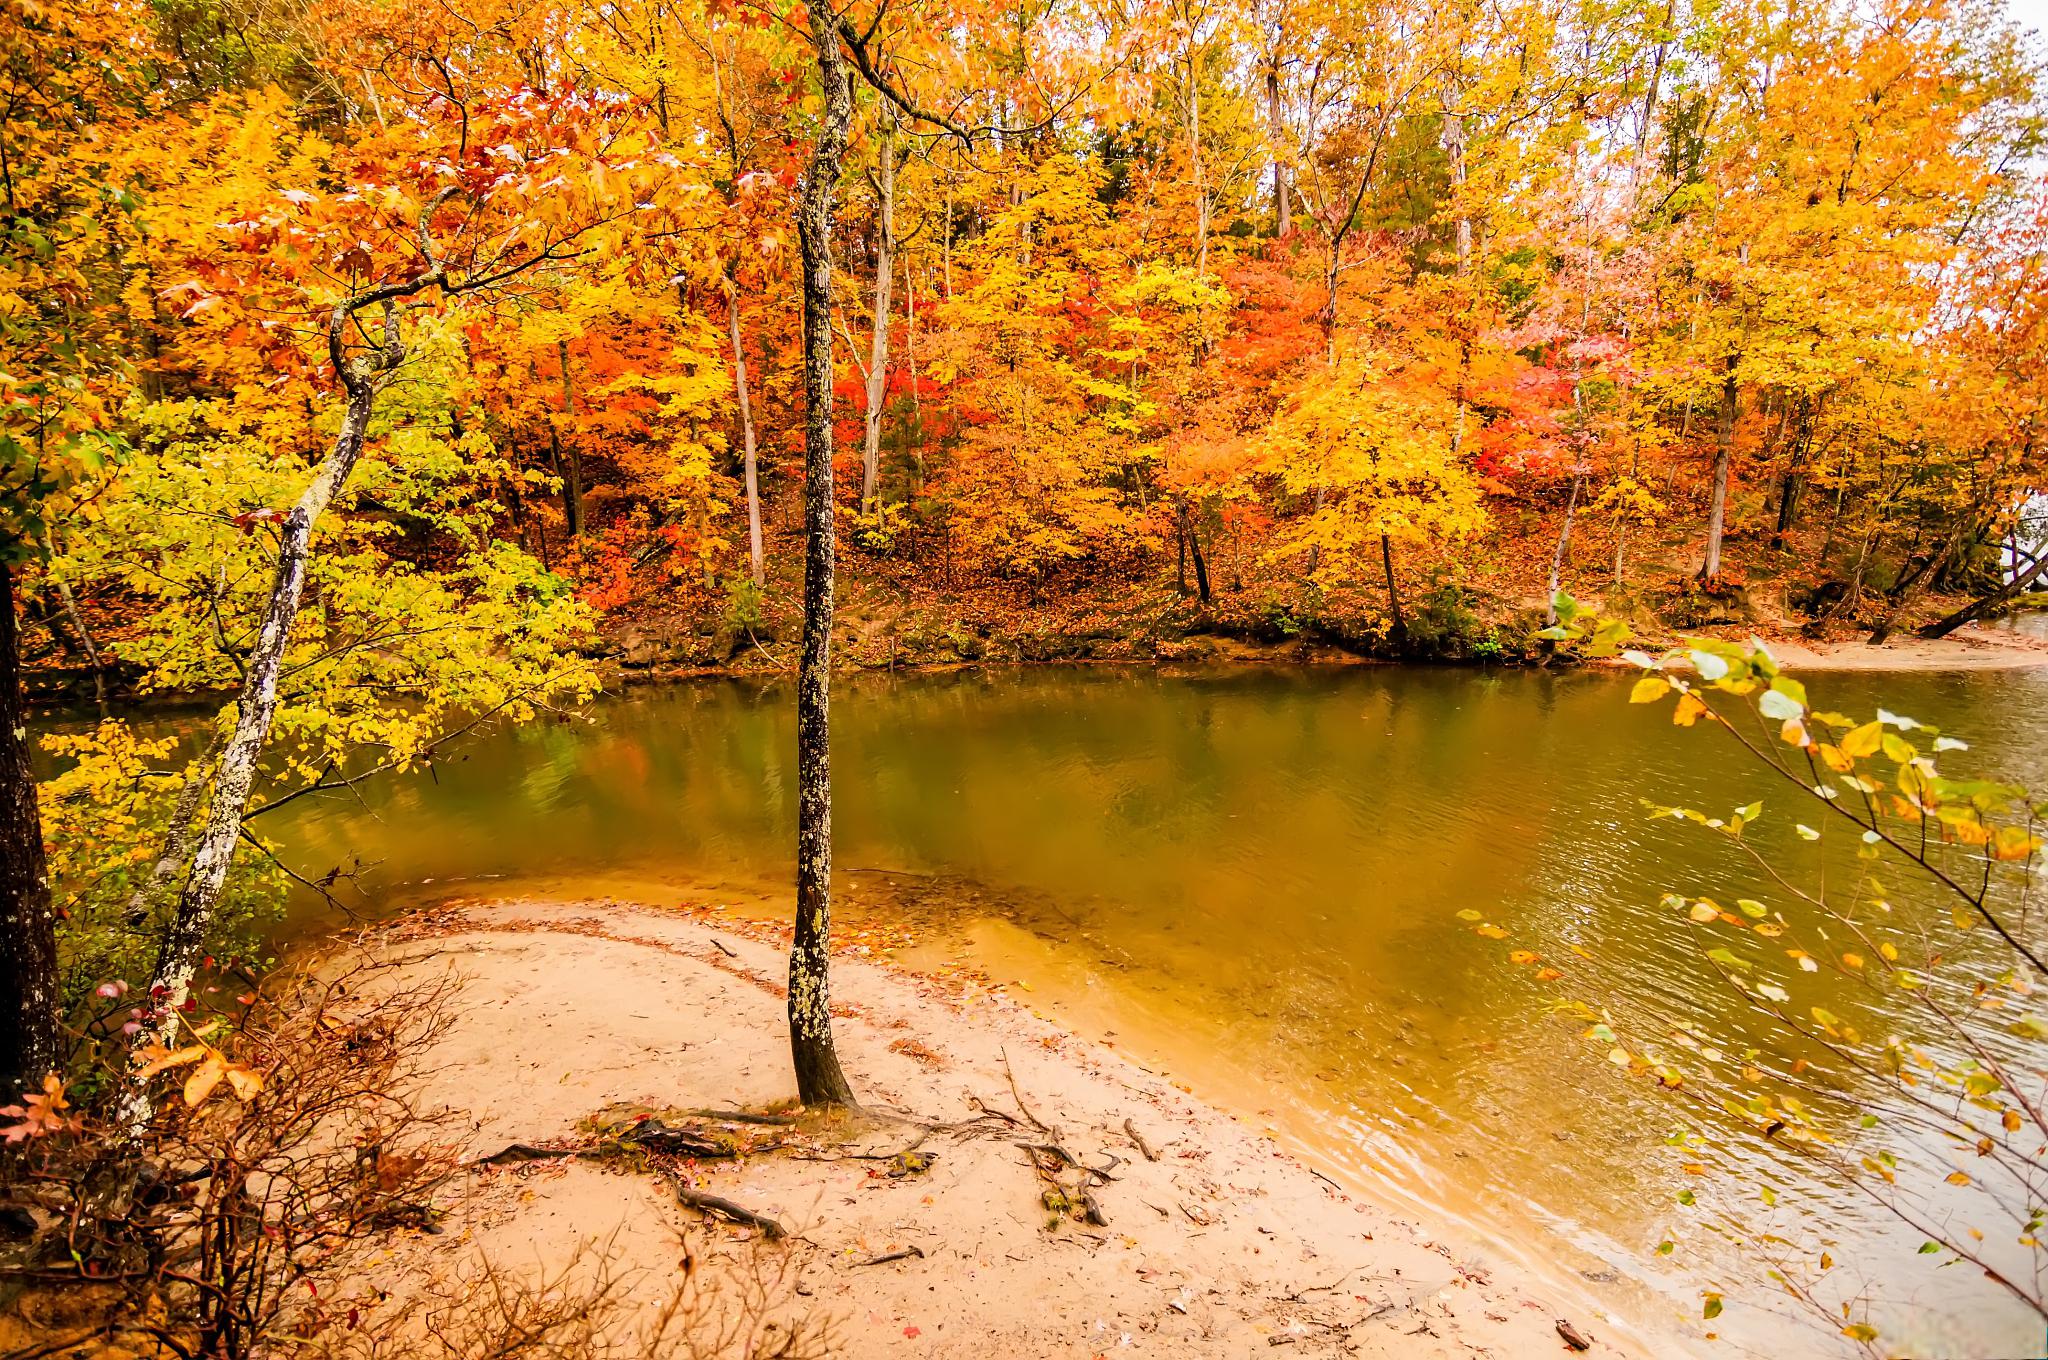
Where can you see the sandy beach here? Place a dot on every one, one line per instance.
(926, 1229)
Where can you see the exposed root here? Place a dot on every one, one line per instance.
(704, 1202)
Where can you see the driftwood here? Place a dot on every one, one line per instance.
(704, 1202)
(743, 1116)
(1138, 1140)
(904, 1255)
(1573, 1337)
(652, 1135)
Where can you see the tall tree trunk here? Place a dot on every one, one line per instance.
(1398, 634)
(567, 462)
(1564, 539)
(1283, 208)
(819, 1079)
(755, 558)
(1454, 152)
(878, 351)
(255, 707)
(1201, 562)
(28, 921)
(1724, 448)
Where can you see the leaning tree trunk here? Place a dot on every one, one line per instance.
(1724, 447)
(28, 921)
(819, 1079)
(878, 352)
(255, 708)
(1983, 604)
(756, 559)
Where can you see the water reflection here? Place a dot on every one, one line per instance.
(1250, 877)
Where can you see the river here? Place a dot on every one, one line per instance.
(1251, 879)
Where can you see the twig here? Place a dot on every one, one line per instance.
(1139, 1139)
(904, 1255)
(1018, 1096)
(725, 948)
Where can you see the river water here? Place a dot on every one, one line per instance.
(1251, 879)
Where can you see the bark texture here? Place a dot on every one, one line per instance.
(819, 1079)
(878, 352)
(28, 923)
(256, 707)
(756, 559)
(1724, 450)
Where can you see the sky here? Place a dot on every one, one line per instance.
(2032, 13)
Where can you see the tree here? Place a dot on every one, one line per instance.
(475, 226)
(73, 88)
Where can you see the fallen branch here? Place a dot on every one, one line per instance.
(1138, 1140)
(705, 1202)
(526, 1152)
(725, 948)
(743, 1116)
(904, 1255)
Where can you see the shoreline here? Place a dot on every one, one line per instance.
(1225, 1245)
(1970, 649)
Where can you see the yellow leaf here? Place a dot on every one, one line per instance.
(1957, 1178)
(156, 1058)
(1690, 706)
(246, 1082)
(1649, 690)
(1863, 741)
(204, 1078)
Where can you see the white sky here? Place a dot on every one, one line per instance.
(2030, 13)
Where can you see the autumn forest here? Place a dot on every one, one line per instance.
(376, 376)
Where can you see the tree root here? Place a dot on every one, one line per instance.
(704, 1202)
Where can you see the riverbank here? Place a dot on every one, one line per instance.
(1215, 1242)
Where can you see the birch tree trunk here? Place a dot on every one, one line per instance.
(819, 1079)
(28, 921)
(755, 558)
(1564, 538)
(255, 709)
(1724, 446)
(878, 351)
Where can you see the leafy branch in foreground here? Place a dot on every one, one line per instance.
(1882, 1040)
